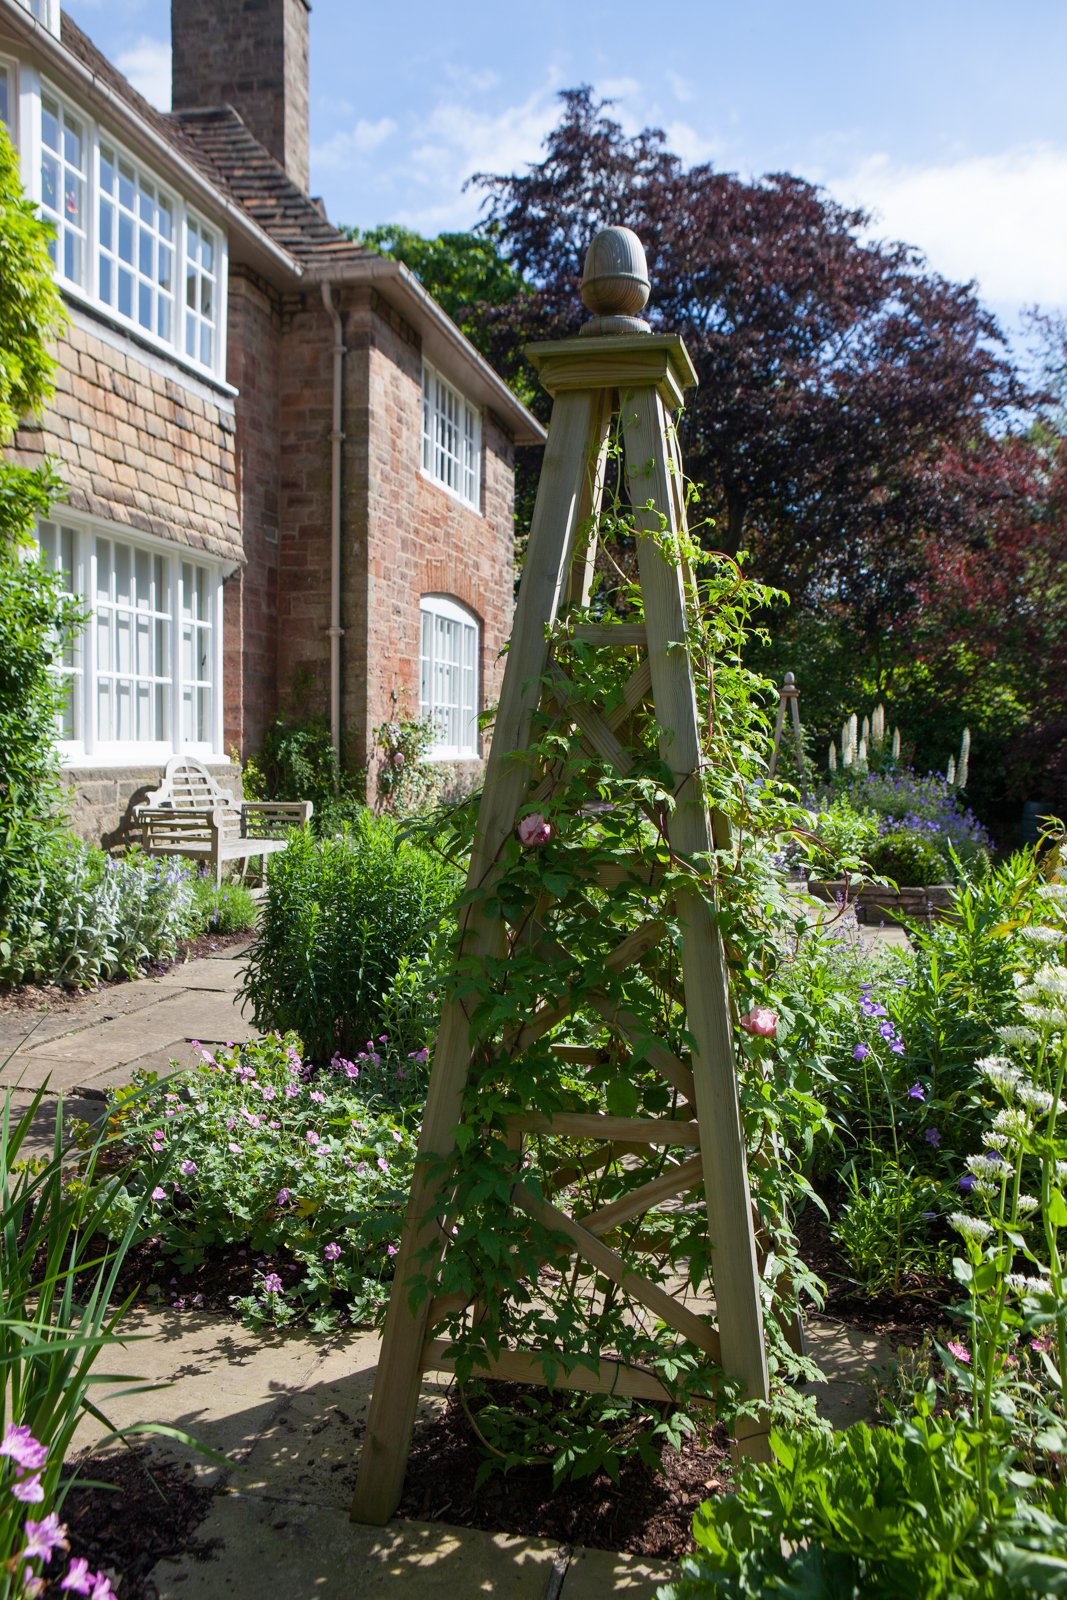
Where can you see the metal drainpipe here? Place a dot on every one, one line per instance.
(336, 440)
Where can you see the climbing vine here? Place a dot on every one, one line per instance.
(586, 888)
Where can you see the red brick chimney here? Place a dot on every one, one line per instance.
(252, 55)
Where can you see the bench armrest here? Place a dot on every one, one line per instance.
(285, 813)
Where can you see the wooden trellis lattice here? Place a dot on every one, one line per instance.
(617, 355)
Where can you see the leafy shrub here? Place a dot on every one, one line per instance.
(837, 836)
(928, 807)
(883, 1228)
(888, 1514)
(91, 917)
(269, 1155)
(908, 859)
(339, 918)
(224, 908)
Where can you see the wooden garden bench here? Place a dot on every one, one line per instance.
(190, 815)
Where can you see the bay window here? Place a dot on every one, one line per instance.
(448, 677)
(123, 239)
(142, 681)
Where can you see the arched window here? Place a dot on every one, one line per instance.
(448, 676)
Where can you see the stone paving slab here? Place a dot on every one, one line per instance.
(306, 1552)
(596, 1574)
(107, 1052)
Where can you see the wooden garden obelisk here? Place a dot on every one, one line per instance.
(617, 364)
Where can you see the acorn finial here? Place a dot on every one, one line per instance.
(615, 283)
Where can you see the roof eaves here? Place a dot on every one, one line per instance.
(271, 256)
(440, 337)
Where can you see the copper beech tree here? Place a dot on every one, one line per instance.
(837, 374)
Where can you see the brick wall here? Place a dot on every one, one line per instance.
(250, 633)
(422, 540)
(252, 55)
(137, 447)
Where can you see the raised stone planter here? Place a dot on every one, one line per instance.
(875, 903)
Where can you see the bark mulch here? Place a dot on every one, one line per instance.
(646, 1513)
(150, 1509)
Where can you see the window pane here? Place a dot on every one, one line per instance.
(50, 183)
(125, 185)
(49, 123)
(126, 238)
(144, 259)
(125, 292)
(107, 169)
(165, 223)
(144, 305)
(165, 259)
(72, 141)
(107, 217)
(163, 328)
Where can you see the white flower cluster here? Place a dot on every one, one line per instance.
(988, 1166)
(1044, 938)
(1037, 1099)
(1028, 1204)
(1013, 1123)
(1045, 1016)
(1018, 1036)
(1056, 892)
(1052, 981)
(1021, 1285)
(1000, 1072)
(970, 1227)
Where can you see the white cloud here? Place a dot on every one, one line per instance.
(147, 65)
(342, 146)
(999, 219)
(683, 89)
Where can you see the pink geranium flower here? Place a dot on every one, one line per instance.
(534, 830)
(761, 1022)
(958, 1350)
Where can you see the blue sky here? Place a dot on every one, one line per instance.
(947, 119)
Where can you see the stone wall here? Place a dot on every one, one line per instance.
(138, 447)
(99, 800)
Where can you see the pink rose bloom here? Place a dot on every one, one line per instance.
(760, 1022)
(534, 830)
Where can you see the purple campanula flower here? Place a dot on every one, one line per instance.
(932, 1137)
(861, 1052)
(916, 1092)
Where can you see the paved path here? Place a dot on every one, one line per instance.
(287, 1412)
(147, 1023)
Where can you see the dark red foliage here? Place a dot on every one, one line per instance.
(837, 376)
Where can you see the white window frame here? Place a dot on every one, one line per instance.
(66, 233)
(449, 683)
(32, 90)
(108, 261)
(11, 67)
(90, 749)
(451, 454)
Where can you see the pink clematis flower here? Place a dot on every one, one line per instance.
(761, 1022)
(534, 830)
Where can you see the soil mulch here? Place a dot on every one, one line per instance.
(902, 1319)
(155, 1282)
(646, 1513)
(150, 1509)
(52, 998)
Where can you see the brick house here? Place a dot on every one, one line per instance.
(281, 454)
